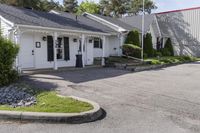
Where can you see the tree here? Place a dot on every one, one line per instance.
(133, 38)
(46, 5)
(169, 48)
(70, 5)
(137, 6)
(8, 53)
(148, 45)
(90, 7)
(115, 8)
(42, 5)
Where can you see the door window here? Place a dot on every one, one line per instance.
(60, 49)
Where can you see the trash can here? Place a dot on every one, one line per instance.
(79, 61)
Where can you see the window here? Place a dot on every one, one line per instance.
(60, 49)
(98, 43)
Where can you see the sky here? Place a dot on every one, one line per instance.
(167, 5)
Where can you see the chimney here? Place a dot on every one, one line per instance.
(76, 18)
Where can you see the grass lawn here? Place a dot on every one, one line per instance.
(171, 60)
(51, 103)
(115, 59)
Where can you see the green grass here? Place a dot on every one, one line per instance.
(171, 60)
(115, 59)
(51, 103)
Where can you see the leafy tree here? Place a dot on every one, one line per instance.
(148, 45)
(70, 5)
(133, 38)
(42, 5)
(137, 6)
(46, 5)
(115, 8)
(90, 7)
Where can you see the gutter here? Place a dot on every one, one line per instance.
(64, 30)
(105, 22)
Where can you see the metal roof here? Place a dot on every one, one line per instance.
(136, 21)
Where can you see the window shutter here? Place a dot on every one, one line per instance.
(66, 48)
(50, 51)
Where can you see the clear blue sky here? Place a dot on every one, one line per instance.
(166, 5)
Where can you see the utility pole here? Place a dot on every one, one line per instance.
(143, 13)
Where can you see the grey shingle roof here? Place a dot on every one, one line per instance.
(36, 18)
(86, 21)
(136, 21)
(116, 22)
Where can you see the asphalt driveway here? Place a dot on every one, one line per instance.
(158, 101)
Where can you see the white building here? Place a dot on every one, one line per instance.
(182, 26)
(52, 40)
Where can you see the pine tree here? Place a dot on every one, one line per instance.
(169, 47)
(148, 45)
(70, 5)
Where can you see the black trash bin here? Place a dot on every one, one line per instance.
(79, 61)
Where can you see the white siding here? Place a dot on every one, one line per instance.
(114, 45)
(5, 28)
(184, 30)
(40, 57)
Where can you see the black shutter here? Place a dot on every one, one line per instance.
(50, 51)
(66, 48)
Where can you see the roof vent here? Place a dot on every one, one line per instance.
(76, 18)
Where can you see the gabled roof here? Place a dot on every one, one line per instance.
(84, 21)
(29, 17)
(136, 21)
(187, 9)
(116, 22)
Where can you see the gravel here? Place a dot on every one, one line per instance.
(16, 96)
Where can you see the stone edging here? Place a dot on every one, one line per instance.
(71, 118)
(152, 67)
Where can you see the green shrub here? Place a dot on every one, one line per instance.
(8, 53)
(169, 47)
(165, 52)
(133, 38)
(132, 50)
(148, 45)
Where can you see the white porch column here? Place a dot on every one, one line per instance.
(16, 38)
(121, 41)
(103, 51)
(55, 37)
(82, 48)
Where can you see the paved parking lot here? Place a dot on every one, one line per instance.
(158, 101)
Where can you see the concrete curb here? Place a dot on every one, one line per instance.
(150, 67)
(154, 67)
(70, 118)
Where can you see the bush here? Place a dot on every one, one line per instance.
(132, 50)
(169, 47)
(148, 45)
(8, 53)
(165, 52)
(133, 38)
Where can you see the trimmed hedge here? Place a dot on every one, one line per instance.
(132, 50)
(8, 53)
